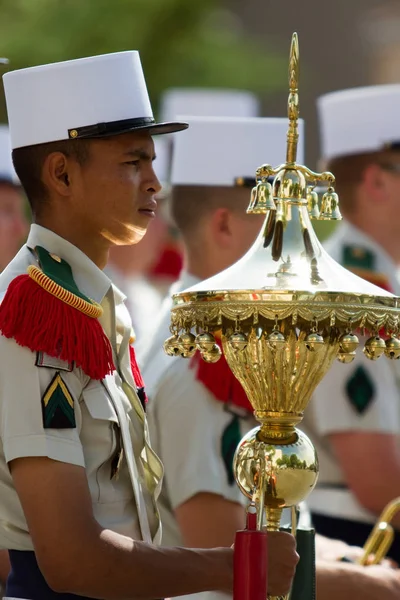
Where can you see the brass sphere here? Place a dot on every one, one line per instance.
(314, 341)
(393, 348)
(187, 342)
(205, 341)
(172, 346)
(291, 467)
(374, 347)
(348, 342)
(213, 355)
(276, 340)
(346, 357)
(238, 340)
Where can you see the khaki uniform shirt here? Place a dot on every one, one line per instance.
(108, 414)
(336, 407)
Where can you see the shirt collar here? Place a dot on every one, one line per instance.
(91, 280)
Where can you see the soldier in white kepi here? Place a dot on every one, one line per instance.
(78, 478)
(353, 419)
(198, 412)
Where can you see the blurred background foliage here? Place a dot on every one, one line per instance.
(181, 42)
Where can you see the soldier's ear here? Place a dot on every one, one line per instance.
(55, 173)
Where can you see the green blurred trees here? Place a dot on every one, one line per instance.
(181, 42)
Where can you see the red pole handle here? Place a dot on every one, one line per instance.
(250, 565)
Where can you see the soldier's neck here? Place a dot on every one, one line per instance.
(96, 247)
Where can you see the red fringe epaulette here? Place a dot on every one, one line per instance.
(221, 382)
(45, 317)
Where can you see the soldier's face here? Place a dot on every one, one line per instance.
(117, 185)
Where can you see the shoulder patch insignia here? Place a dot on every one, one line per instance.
(58, 406)
(231, 437)
(362, 262)
(358, 257)
(52, 362)
(360, 390)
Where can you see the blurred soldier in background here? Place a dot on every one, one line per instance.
(13, 222)
(198, 412)
(353, 419)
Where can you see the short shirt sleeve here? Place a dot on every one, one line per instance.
(23, 384)
(188, 426)
(361, 396)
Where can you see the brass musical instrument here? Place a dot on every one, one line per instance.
(283, 314)
(381, 537)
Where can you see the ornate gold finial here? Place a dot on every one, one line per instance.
(293, 183)
(293, 101)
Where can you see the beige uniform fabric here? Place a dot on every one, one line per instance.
(108, 414)
(331, 411)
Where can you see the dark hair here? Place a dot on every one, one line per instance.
(28, 164)
(191, 203)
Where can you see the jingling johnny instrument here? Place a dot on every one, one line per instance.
(283, 313)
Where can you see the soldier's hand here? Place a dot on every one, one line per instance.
(282, 561)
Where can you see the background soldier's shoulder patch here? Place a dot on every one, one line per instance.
(358, 256)
(58, 405)
(360, 390)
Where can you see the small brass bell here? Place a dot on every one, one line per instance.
(348, 342)
(276, 340)
(172, 346)
(374, 347)
(238, 340)
(205, 341)
(326, 206)
(336, 214)
(253, 199)
(392, 348)
(187, 342)
(314, 341)
(346, 357)
(263, 198)
(212, 355)
(313, 204)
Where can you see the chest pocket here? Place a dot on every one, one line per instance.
(100, 437)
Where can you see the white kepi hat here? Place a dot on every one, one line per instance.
(208, 103)
(359, 120)
(226, 151)
(85, 98)
(161, 164)
(7, 172)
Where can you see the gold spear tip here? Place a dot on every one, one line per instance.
(294, 63)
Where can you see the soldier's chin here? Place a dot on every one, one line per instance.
(126, 236)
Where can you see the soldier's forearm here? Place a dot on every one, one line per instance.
(347, 581)
(118, 568)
